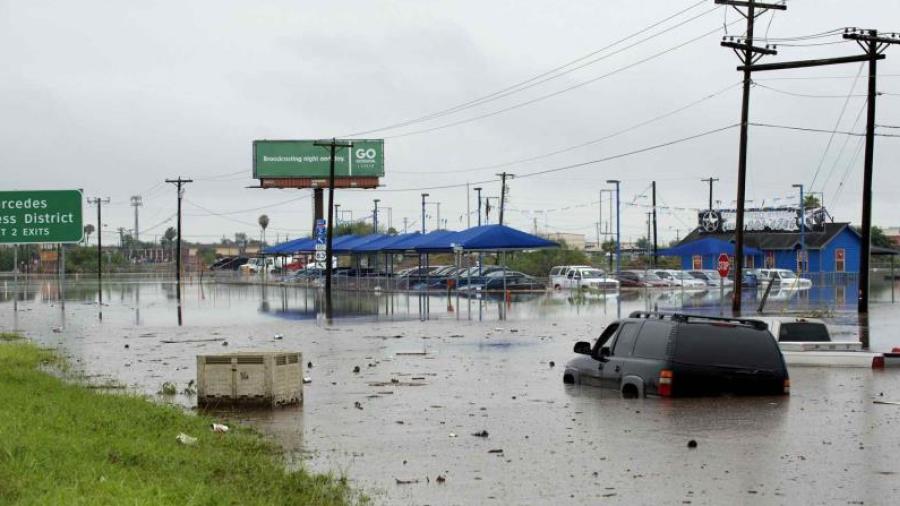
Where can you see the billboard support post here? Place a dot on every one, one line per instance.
(333, 144)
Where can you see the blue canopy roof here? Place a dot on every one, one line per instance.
(349, 246)
(483, 238)
(499, 237)
(383, 244)
(704, 247)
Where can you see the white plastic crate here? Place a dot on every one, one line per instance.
(250, 378)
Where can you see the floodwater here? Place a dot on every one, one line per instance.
(463, 366)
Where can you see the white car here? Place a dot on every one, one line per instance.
(710, 277)
(581, 277)
(679, 278)
(782, 277)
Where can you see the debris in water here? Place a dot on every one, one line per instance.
(168, 388)
(356, 369)
(127, 346)
(218, 427)
(210, 340)
(185, 439)
(552, 364)
(225, 343)
(307, 380)
(279, 337)
(482, 433)
(692, 443)
(309, 365)
(57, 330)
(357, 405)
(440, 479)
(893, 403)
(498, 450)
(405, 482)
(452, 435)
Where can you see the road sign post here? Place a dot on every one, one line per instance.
(724, 267)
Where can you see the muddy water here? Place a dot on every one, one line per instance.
(455, 376)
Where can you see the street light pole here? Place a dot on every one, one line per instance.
(801, 266)
(618, 224)
(710, 180)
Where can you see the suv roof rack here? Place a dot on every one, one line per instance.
(686, 318)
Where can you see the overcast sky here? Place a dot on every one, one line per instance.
(114, 97)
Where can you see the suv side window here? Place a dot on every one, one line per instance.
(625, 339)
(653, 341)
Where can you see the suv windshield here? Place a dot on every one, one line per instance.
(592, 273)
(726, 346)
(787, 274)
(803, 331)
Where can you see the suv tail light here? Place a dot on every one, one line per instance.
(787, 386)
(878, 362)
(665, 383)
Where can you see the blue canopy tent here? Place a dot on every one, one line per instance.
(383, 244)
(347, 247)
(413, 240)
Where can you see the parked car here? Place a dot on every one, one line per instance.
(652, 279)
(679, 278)
(581, 277)
(515, 282)
(710, 277)
(674, 355)
(229, 263)
(630, 279)
(782, 277)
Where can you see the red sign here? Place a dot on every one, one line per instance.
(724, 265)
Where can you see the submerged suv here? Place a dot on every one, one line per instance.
(681, 355)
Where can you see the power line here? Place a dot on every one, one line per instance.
(836, 126)
(555, 93)
(808, 95)
(554, 72)
(818, 130)
(575, 165)
(847, 138)
(586, 143)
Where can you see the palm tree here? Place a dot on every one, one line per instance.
(88, 230)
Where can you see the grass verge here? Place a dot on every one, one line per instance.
(62, 443)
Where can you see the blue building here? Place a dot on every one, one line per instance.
(833, 248)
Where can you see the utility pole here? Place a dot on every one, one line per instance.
(333, 144)
(179, 184)
(424, 195)
(873, 46)
(121, 237)
(618, 224)
(468, 207)
(649, 243)
(99, 201)
(655, 245)
(405, 228)
(710, 180)
(748, 54)
(478, 191)
(503, 176)
(375, 215)
(136, 202)
(337, 214)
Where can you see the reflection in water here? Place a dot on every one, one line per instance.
(153, 301)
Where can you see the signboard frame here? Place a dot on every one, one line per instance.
(33, 217)
(281, 163)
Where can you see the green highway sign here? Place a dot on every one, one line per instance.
(50, 216)
(303, 159)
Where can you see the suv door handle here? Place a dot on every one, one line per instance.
(616, 369)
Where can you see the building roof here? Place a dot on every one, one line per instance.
(776, 240)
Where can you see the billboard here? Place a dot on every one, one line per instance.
(300, 163)
(40, 216)
(783, 219)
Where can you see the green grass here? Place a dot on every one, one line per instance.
(61, 443)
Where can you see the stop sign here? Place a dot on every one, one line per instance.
(724, 265)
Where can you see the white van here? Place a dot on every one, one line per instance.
(581, 277)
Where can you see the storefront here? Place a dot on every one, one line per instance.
(773, 240)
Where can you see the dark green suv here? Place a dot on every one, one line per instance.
(673, 354)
